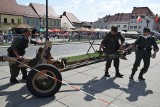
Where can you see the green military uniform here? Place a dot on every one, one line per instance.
(144, 47)
(111, 45)
(19, 44)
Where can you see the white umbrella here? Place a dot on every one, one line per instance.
(105, 30)
(132, 32)
(97, 29)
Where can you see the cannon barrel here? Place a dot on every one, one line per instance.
(14, 60)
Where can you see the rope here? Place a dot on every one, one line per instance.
(65, 83)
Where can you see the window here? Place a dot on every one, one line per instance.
(33, 22)
(43, 22)
(139, 27)
(5, 20)
(54, 22)
(28, 22)
(50, 22)
(12, 21)
(124, 26)
(19, 20)
(58, 23)
(135, 27)
(131, 27)
(36, 22)
(118, 26)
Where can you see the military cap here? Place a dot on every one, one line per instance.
(146, 29)
(25, 30)
(114, 28)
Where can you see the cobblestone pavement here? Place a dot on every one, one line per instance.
(115, 92)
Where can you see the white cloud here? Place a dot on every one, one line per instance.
(155, 8)
(68, 6)
(95, 10)
(89, 1)
(105, 7)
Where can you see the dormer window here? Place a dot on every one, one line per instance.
(13, 10)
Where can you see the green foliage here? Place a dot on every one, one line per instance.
(82, 57)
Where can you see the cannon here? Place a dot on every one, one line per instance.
(44, 78)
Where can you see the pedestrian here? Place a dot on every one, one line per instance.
(17, 49)
(110, 45)
(1, 36)
(144, 46)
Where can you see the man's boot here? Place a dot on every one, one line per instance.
(140, 77)
(118, 74)
(14, 80)
(106, 72)
(132, 74)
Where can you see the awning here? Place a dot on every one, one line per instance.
(82, 29)
(22, 26)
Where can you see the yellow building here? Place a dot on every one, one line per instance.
(10, 15)
(9, 21)
(53, 19)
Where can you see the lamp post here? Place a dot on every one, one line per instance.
(147, 18)
(47, 39)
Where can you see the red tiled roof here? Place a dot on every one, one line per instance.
(108, 18)
(27, 11)
(142, 10)
(120, 17)
(71, 17)
(9, 7)
(41, 10)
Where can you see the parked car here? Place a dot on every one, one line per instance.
(156, 34)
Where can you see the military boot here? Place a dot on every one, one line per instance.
(140, 77)
(132, 74)
(106, 72)
(118, 74)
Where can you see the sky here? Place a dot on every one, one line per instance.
(91, 10)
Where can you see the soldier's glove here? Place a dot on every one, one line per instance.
(19, 60)
(122, 54)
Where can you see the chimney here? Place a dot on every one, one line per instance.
(64, 13)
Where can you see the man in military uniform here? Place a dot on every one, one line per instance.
(144, 45)
(17, 49)
(110, 45)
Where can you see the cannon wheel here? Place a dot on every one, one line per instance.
(41, 85)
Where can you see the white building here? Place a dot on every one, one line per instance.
(121, 20)
(100, 23)
(146, 14)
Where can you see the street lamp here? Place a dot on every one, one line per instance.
(47, 39)
(147, 18)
